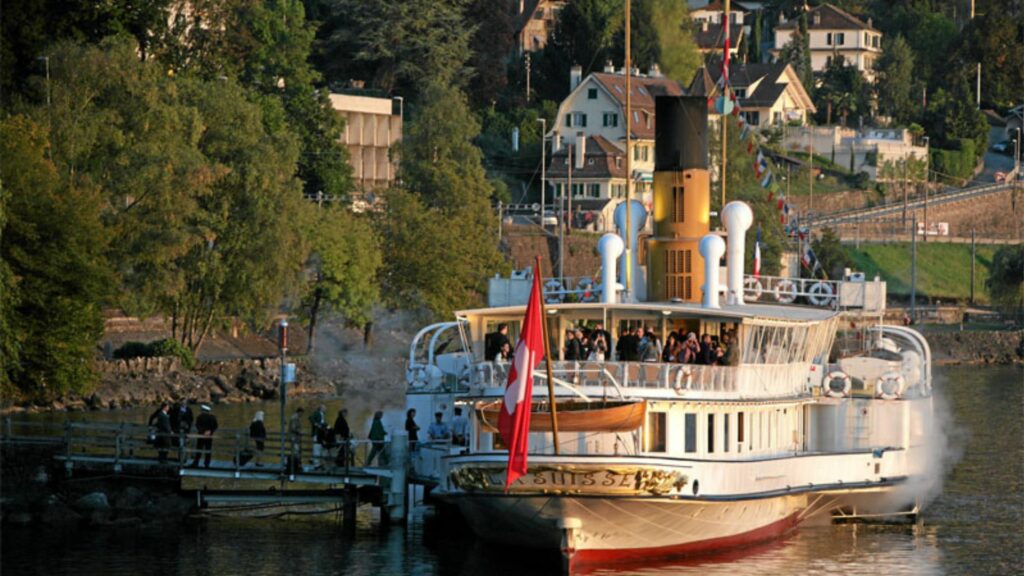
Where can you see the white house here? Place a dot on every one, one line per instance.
(834, 32)
(767, 94)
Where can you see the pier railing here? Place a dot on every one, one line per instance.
(615, 379)
(125, 444)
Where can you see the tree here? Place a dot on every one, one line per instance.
(677, 54)
(895, 80)
(490, 46)
(396, 45)
(1006, 278)
(994, 39)
(346, 259)
(797, 53)
(842, 91)
(439, 233)
(830, 253)
(585, 34)
(754, 46)
(52, 246)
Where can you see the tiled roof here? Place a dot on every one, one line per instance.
(644, 90)
(709, 36)
(830, 18)
(600, 161)
(767, 92)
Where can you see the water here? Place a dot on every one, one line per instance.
(976, 526)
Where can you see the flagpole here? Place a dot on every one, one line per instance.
(547, 361)
(725, 101)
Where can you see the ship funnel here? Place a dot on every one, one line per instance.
(712, 247)
(737, 217)
(638, 219)
(610, 247)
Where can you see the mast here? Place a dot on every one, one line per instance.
(547, 360)
(629, 157)
(725, 99)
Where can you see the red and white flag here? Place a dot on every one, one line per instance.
(514, 418)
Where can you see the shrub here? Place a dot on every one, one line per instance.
(156, 349)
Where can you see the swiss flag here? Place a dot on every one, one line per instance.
(514, 419)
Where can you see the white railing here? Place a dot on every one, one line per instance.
(573, 288)
(617, 379)
(823, 293)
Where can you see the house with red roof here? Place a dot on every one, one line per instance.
(835, 32)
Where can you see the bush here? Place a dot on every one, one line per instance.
(955, 163)
(861, 180)
(156, 349)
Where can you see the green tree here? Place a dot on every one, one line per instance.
(895, 80)
(797, 53)
(346, 259)
(842, 91)
(677, 54)
(439, 234)
(754, 46)
(994, 39)
(52, 248)
(490, 46)
(585, 34)
(1006, 278)
(830, 253)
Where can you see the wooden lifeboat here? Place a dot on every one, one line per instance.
(575, 416)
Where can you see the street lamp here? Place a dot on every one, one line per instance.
(1016, 153)
(543, 167)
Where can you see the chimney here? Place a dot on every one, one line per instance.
(575, 76)
(610, 247)
(869, 22)
(655, 71)
(712, 247)
(609, 67)
(737, 217)
(581, 149)
(522, 6)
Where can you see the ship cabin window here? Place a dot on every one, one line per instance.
(739, 431)
(654, 439)
(725, 432)
(711, 433)
(690, 432)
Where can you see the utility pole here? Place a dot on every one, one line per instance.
(629, 157)
(561, 221)
(904, 192)
(282, 343)
(527, 57)
(810, 178)
(913, 267)
(974, 258)
(543, 165)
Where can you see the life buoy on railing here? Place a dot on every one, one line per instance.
(585, 288)
(553, 292)
(837, 384)
(785, 291)
(820, 294)
(752, 289)
(684, 373)
(890, 385)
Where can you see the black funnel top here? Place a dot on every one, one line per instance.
(681, 133)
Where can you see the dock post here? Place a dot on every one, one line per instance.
(349, 511)
(398, 462)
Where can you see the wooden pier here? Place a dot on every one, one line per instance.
(239, 479)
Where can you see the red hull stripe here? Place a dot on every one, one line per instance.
(627, 555)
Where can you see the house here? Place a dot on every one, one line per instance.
(534, 22)
(372, 128)
(767, 94)
(714, 11)
(596, 106)
(834, 32)
(877, 151)
(709, 39)
(598, 171)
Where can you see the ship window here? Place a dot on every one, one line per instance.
(725, 432)
(690, 429)
(711, 433)
(739, 428)
(678, 267)
(655, 439)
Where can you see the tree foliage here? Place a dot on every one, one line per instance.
(830, 253)
(896, 79)
(1006, 278)
(677, 53)
(797, 53)
(54, 269)
(842, 92)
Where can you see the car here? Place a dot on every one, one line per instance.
(1004, 147)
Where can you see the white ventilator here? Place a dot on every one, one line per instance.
(737, 218)
(712, 247)
(638, 218)
(610, 247)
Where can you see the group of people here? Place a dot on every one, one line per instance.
(641, 344)
(439, 431)
(172, 425)
(707, 351)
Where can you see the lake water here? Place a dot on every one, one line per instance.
(976, 525)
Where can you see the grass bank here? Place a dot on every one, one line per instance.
(943, 270)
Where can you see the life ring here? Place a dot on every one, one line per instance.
(752, 289)
(831, 390)
(585, 288)
(890, 385)
(821, 294)
(683, 372)
(553, 292)
(785, 291)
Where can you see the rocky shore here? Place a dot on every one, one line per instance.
(977, 347)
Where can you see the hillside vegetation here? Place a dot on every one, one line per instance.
(943, 270)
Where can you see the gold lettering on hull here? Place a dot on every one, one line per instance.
(583, 480)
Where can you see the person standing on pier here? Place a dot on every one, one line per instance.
(163, 432)
(343, 434)
(258, 433)
(181, 421)
(295, 439)
(318, 433)
(206, 425)
(377, 435)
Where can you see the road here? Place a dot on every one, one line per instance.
(994, 161)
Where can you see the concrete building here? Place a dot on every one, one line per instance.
(880, 152)
(373, 125)
(833, 33)
(767, 94)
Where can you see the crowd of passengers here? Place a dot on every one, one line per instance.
(635, 344)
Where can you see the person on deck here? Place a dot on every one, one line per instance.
(206, 425)
(438, 430)
(731, 356)
(572, 346)
(691, 349)
(460, 428)
(377, 436)
(413, 429)
(494, 341)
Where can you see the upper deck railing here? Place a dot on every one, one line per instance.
(625, 379)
